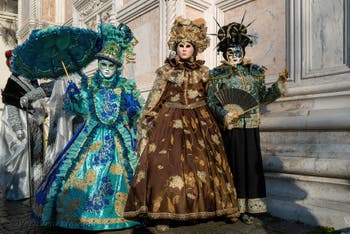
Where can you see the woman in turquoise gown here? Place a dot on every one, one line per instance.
(87, 186)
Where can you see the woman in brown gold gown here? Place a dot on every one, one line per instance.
(182, 173)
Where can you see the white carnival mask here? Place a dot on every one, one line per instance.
(106, 68)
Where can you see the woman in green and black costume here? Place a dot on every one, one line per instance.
(241, 130)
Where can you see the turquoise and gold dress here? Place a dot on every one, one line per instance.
(87, 186)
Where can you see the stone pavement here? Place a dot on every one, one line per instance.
(15, 218)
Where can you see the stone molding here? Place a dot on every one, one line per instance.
(226, 5)
(325, 167)
(299, 41)
(136, 9)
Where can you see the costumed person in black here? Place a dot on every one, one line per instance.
(17, 146)
(183, 173)
(236, 90)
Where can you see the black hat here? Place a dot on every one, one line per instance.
(234, 34)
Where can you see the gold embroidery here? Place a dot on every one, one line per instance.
(254, 205)
(202, 176)
(201, 142)
(188, 145)
(184, 120)
(141, 175)
(120, 202)
(177, 123)
(156, 204)
(117, 91)
(160, 167)
(95, 146)
(215, 138)
(171, 207)
(192, 94)
(176, 199)
(175, 98)
(176, 182)
(116, 169)
(172, 140)
(191, 196)
(216, 182)
(152, 148)
(202, 163)
(163, 152)
(193, 123)
(89, 177)
(190, 179)
(218, 158)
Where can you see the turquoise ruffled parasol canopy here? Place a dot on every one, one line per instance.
(48, 52)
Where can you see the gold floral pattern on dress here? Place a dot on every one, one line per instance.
(140, 176)
(192, 94)
(176, 182)
(203, 123)
(152, 148)
(202, 163)
(172, 140)
(156, 204)
(188, 145)
(190, 180)
(94, 147)
(176, 199)
(191, 196)
(116, 169)
(160, 167)
(120, 202)
(204, 113)
(201, 142)
(202, 176)
(184, 121)
(215, 138)
(194, 123)
(177, 123)
(175, 98)
(182, 158)
(89, 179)
(218, 158)
(163, 152)
(216, 182)
(90, 176)
(219, 169)
(229, 187)
(171, 207)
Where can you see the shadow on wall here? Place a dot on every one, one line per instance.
(285, 197)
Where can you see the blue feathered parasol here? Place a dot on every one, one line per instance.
(48, 52)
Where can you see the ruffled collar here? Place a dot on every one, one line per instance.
(189, 64)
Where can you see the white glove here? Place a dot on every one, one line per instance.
(24, 102)
(20, 134)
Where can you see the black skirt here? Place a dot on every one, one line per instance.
(243, 151)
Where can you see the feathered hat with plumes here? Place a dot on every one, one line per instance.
(234, 34)
(118, 42)
(192, 31)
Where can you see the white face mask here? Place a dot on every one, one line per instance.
(235, 55)
(107, 68)
(185, 50)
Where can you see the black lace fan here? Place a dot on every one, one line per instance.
(236, 100)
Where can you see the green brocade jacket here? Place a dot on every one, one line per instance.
(248, 77)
